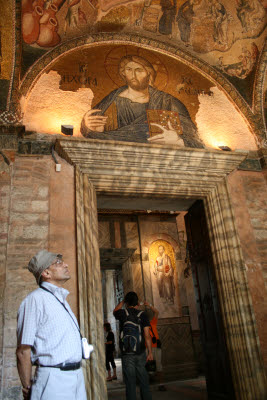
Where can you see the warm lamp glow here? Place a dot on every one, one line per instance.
(216, 142)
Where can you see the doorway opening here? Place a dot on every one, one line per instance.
(167, 172)
(135, 235)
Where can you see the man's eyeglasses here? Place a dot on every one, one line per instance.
(58, 262)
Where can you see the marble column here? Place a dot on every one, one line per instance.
(90, 286)
(235, 299)
(110, 298)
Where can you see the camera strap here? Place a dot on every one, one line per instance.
(152, 331)
(63, 305)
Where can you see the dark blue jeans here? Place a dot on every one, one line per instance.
(133, 367)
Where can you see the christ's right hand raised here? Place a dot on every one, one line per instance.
(93, 122)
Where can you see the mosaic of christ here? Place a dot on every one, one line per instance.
(138, 110)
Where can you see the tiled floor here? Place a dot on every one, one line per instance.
(191, 389)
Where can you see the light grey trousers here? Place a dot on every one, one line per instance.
(54, 384)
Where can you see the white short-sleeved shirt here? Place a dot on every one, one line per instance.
(47, 327)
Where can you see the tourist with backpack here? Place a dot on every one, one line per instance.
(134, 337)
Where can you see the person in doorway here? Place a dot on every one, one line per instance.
(133, 359)
(110, 348)
(48, 335)
(156, 344)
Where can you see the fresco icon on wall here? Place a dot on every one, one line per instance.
(164, 278)
(138, 111)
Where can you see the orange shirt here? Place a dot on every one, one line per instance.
(153, 324)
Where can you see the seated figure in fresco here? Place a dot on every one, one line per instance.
(123, 112)
(164, 271)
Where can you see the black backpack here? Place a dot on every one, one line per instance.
(131, 333)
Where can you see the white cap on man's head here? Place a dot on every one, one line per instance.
(41, 261)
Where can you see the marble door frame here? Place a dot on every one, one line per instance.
(133, 169)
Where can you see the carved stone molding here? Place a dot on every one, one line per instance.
(105, 160)
(131, 169)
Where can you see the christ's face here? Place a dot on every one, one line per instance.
(161, 250)
(136, 76)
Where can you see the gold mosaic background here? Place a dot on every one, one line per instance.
(6, 39)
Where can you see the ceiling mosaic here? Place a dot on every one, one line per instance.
(227, 34)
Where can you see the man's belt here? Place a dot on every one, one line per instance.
(63, 366)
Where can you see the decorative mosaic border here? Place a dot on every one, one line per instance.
(10, 117)
(261, 75)
(13, 104)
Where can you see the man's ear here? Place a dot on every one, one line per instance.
(46, 274)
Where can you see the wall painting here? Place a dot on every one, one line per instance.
(164, 278)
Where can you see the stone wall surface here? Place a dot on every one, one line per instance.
(248, 193)
(5, 182)
(62, 225)
(32, 218)
(28, 233)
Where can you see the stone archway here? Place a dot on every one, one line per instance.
(126, 169)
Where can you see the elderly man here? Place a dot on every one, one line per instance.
(123, 112)
(49, 336)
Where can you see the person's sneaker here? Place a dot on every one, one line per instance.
(162, 388)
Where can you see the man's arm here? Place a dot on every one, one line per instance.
(148, 343)
(119, 306)
(24, 368)
(155, 311)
